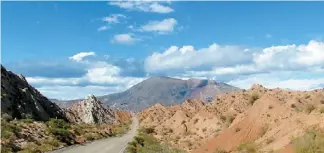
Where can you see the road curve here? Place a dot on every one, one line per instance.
(110, 145)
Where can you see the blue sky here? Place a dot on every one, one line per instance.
(106, 47)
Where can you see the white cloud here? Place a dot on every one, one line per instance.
(80, 56)
(144, 6)
(101, 79)
(52, 81)
(66, 92)
(274, 80)
(187, 57)
(127, 39)
(221, 60)
(103, 28)
(161, 27)
(114, 18)
(291, 56)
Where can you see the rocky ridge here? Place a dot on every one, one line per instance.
(21, 100)
(90, 111)
(268, 118)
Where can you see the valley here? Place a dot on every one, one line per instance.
(255, 120)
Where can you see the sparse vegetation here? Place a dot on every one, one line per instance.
(270, 107)
(228, 119)
(219, 151)
(148, 130)
(196, 120)
(322, 101)
(321, 110)
(145, 143)
(264, 129)
(248, 147)
(52, 134)
(311, 142)
(309, 108)
(204, 129)
(269, 140)
(254, 96)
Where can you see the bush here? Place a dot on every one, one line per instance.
(219, 151)
(311, 142)
(269, 140)
(139, 140)
(309, 108)
(58, 123)
(322, 110)
(223, 118)
(145, 143)
(253, 98)
(248, 147)
(264, 129)
(196, 120)
(148, 130)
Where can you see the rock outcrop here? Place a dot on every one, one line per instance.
(21, 100)
(90, 110)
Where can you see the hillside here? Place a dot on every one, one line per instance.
(167, 91)
(20, 100)
(31, 123)
(260, 118)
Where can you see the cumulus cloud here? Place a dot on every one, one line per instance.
(161, 27)
(100, 78)
(238, 60)
(80, 56)
(126, 38)
(187, 57)
(144, 6)
(114, 18)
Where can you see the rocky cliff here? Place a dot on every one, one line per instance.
(90, 110)
(20, 100)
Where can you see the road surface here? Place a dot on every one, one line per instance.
(110, 145)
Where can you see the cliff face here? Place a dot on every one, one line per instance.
(91, 111)
(20, 100)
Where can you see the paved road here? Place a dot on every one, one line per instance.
(110, 145)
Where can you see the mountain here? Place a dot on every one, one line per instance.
(167, 91)
(263, 118)
(20, 100)
(90, 111)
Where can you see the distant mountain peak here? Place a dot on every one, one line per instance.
(167, 91)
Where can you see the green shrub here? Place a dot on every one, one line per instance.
(311, 142)
(309, 108)
(148, 130)
(139, 140)
(219, 151)
(322, 110)
(264, 129)
(269, 140)
(223, 118)
(248, 147)
(254, 96)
